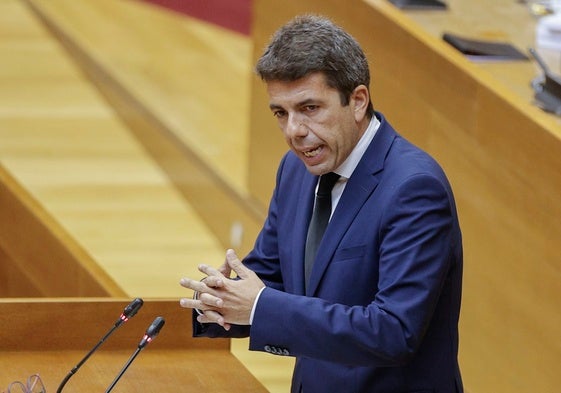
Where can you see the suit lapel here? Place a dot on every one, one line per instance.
(360, 186)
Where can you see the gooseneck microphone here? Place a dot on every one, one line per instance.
(129, 312)
(150, 334)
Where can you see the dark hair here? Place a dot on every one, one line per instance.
(311, 43)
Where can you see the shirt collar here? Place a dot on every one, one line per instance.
(347, 168)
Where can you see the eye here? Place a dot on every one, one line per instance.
(310, 108)
(278, 113)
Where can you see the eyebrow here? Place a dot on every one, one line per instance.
(305, 102)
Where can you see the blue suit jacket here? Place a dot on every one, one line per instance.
(382, 308)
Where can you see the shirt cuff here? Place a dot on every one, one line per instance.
(255, 306)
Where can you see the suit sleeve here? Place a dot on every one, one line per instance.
(213, 330)
(415, 238)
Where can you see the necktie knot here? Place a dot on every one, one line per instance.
(326, 183)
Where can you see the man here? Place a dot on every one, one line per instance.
(379, 311)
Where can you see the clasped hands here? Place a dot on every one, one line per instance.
(220, 299)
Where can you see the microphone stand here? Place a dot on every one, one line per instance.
(125, 367)
(77, 366)
(151, 333)
(130, 311)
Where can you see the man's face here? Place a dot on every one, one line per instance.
(317, 127)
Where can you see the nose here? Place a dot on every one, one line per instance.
(295, 127)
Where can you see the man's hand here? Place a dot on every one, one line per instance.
(222, 300)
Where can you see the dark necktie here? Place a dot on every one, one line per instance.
(320, 218)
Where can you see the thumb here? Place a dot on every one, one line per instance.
(236, 265)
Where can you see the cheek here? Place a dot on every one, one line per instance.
(346, 140)
(288, 141)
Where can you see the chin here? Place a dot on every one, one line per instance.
(317, 170)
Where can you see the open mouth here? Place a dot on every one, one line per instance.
(312, 153)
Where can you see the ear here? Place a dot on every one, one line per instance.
(360, 98)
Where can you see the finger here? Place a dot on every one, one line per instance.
(210, 300)
(195, 285)
(236, 265)
(213, 281)
(213, 317)
(201, 303)
(191, 303)
(210, 271)
(225, 270)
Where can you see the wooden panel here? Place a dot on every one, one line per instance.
(503, 157)
(499, 20)
(40, 251)
(63, 142)
(179, 139)
(14, 281)
(49, 337)
(153, 370)
(192, 75)
(65, 145)
(181, 87)
(79, 323)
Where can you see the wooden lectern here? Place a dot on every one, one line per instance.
(50, 336)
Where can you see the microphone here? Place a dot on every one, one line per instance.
(150, 335)
(130, 311)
